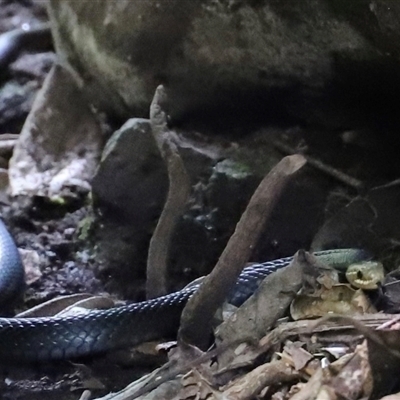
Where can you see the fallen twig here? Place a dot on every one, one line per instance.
(166, 373)
(178, 193)
(311, 388)
(198, 313)
(335, 173)
(251, 384)
(85, 395)
(326, 324)
(372, 335)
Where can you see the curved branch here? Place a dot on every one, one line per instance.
(198, 313)
(178, 193)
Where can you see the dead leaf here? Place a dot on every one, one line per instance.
(354, 380)
(299, 356)
(340, 299)
(251, 384)
(60, 304)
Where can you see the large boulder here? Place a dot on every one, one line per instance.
(325, 61)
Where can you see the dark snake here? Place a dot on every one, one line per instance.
(99, 331)
(13, 42)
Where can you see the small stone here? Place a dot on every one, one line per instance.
(31, 262)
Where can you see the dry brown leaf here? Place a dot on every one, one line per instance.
(354, 380)
(311, 389)
(298, 355)
(251, 384)
(384, 357)
(196, 386)
(340, 299)
(57, 305)
(392, 397)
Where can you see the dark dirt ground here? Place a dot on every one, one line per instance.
(66, 266)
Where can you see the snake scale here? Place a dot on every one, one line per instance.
(57, 338)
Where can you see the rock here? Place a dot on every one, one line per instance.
(35, 66)
(31, 261)
(367, 222)
(3, 184)
(15, 102)
(128, 190)
(320, 61)
(60, 143)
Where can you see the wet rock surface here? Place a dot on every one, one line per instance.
(313, 61)
(129, 191)
(366, 222)
(59, 145)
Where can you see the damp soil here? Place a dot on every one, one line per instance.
(56, 236)
(64, 265)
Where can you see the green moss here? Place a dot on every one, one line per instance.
(234, 169)
(59, 201)
(254, 161)
(84, 228)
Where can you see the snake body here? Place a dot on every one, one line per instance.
(13, 42)
(56, 338)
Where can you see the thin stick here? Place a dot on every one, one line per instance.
(335, 173)
(198, 313)
(178, 193)
(250, 385)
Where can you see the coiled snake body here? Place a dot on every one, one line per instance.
(55, 338)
